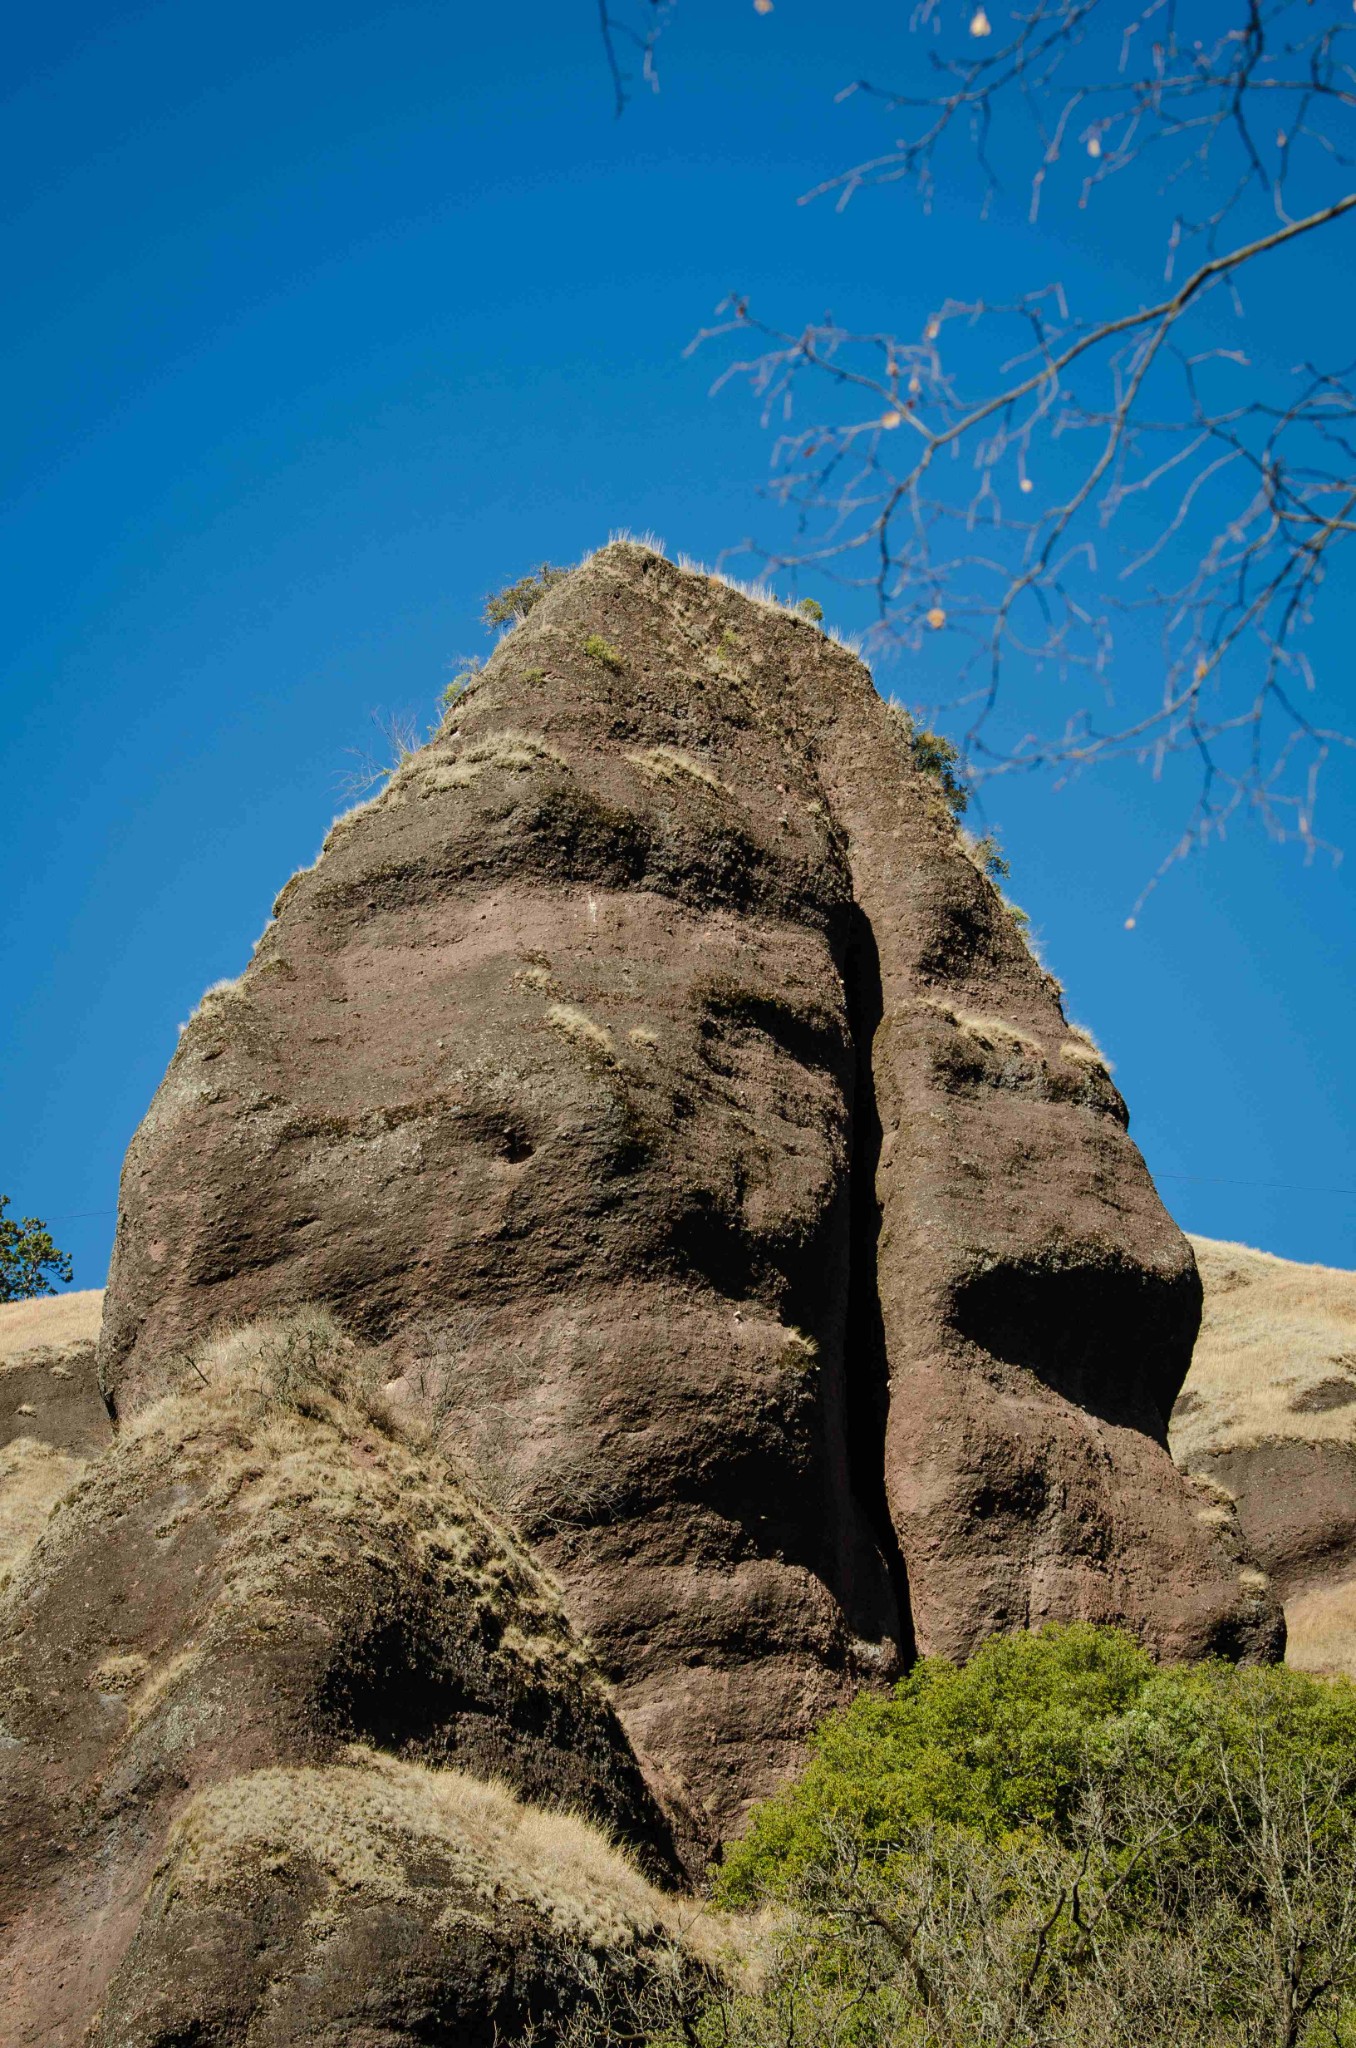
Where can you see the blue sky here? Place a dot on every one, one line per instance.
(322, 323)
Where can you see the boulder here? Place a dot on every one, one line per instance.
(651, 1073)
(260, 1601)
(379, 1901)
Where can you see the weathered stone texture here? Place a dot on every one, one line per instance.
(652, 1074)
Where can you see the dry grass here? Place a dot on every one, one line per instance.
(996, 1034)
(302, 1363)
(1274, 1332)
(33, 1478)
(54, 1319)
(670, 764)
(648, 543)
(767, 600)
(1321, 1629)
(509, 752)
(576, 1024)
(344, 823)
(1082, 1049)
(374, 1828)
(122, 1671)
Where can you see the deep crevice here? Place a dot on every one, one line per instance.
(866, 1362)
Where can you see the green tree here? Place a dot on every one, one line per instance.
(993, 1745)
(27, 1256)
(1058, 1845)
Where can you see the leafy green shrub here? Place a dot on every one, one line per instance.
(992, 1745)
(811, 608)
(1058, 1845)
(454, 690)
(598, 649)
(27, 1257)
(935, 755)
(516, 600)
(989, 858)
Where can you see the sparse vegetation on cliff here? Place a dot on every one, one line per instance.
(598, 649)
(505, 607)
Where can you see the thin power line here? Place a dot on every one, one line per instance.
(80, 1216)
(1280, 1186)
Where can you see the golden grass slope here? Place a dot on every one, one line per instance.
(1269, 1411)
(35, 1337)
(52, 1320)
(33, 1478)
(1277, 1344)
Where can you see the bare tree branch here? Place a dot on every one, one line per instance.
(614, 30)
(991, 504)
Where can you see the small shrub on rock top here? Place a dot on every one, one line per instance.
(598, 649)
(1058, 1845)
(811, 608)
(455, 689)
(516, 600)
(28, 1257)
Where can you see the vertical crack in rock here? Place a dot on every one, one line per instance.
(867, 1362)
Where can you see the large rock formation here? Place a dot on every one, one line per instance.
(650, 1072)
(1268, 1418)
(254, 1675)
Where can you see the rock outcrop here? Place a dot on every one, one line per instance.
(1267, 1417)
(650, 1073)
(254, 1674)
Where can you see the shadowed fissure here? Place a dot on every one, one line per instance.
(866, 1363)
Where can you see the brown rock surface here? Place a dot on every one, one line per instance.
(263, 1603)
(1268, 1415)
(651, 1072)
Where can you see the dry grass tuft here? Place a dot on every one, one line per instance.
(996, 1034)
(670, 764)
(215, 1000)
(1082, 1049)
(509, 752)
(375, 1827)
(579, 1026)
(123, 1671)
(346, 820)
(301, 1363)
(648, 543)
(1274, 1336)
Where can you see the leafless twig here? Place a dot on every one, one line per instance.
(981, 478)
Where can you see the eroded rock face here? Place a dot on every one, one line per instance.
(261, 1578)
(653, 1075)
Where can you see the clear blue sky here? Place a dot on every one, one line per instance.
(324, 321)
